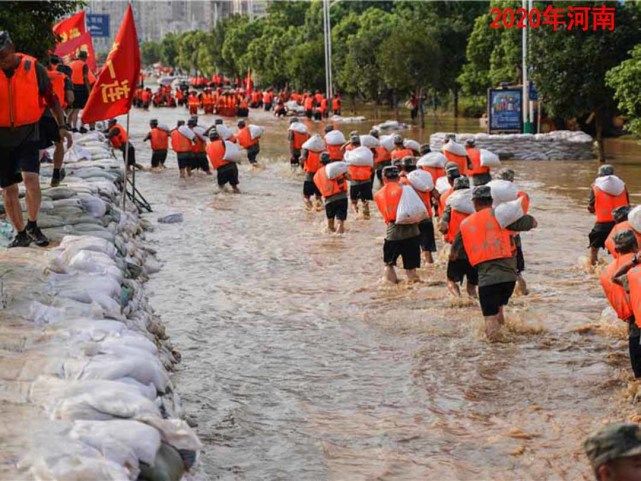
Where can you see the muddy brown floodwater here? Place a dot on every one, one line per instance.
(299, 364)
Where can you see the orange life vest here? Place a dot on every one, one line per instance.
(335, 152)
(474, 155)
(20, 101)
(146, 95)
(459, 160)
(309, 103)
(605, 203)
(193, 101)
(634, 283)
(58, 83)
(525, 202)
(179, 143)
(323, 105)
(398, 154)
(198, 146)
(620, 227)
(443, 198)
(484, 239)
(329, 187)
(298, 139)
(159, 139)
(435, 172)
(336, 104)
(359, 172)
(426, 197)
(76, 72)
(245, 139)
(215, 153)
(387, 199)
(381, 155)
(120, 139)
(312, 162)
(618, 298)
(454, 226)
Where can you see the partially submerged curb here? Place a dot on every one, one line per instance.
(85, 391)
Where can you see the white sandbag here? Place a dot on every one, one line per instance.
(387, 141)
(610, 184)
(88, 261)
(360, 156)
(461, 200)
(224, 132)
(421, 180)
(334, 169)
(432, 159)
(509, 212)
(77, 153)
(315, 143)
(145, 369)
(164, 127)
(455, 148)
(489, 159)
(299, 127)
(634, 218)
(232, 152)
(255, 131)
(200, 132)
(411, 209)
(502, 191)
(369, 141)
(187, 132)
(335, 137)
(442, 185)
(89, 243)
(93, 205)
(412, 144)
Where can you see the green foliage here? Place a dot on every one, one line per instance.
(29, 23)
(625, 80)
(150, 52)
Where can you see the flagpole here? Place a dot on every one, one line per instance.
(124, 190)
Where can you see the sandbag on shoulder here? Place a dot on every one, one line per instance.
(421, 180)
(187, 132)
(369, 141)
(442, 185)
(335, 137)
(224, 132)
(634, 218)
(315, 143)
(411, 209)
(455, 148)
(299, 127)
(610, 184)
(232, 152)
(256, 131)
(360, 156)
(489, 159)
(502, 191)
(334, 169)
(432, 159)
(412, 144)
(387, 141)
(461, 200)
(509, 212)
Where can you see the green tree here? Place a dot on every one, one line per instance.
(29, 23)
(240, 32)
(150, 52)
(169, 50)
(625, 80)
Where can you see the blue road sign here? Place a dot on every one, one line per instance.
(534, 94)
(98, 25)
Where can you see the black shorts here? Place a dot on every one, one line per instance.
(408, 249)
(252, 153)
(308, 114)
(80, 96)
(295, 158)
(336, 209)
(184, 160)
(427, 241)
(199, 161)
(599, 234)
(495, 296)
(49, 132)
(131, 159)
(13, 160)
(361, 191)
(520, 260)
(460, 269)
(309, 189)
(158, 157)
(227, 174)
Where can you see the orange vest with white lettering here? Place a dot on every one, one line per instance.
(454, 226)
(484, 239)
(20, 101)
(329, 187)
(387, 199)
(618, 298)
(605, 203)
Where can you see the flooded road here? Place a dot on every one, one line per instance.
(299, 364)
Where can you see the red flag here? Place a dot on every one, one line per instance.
(113, 92)
(74, 37)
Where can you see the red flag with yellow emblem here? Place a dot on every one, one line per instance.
(113, 92)
(73, 38)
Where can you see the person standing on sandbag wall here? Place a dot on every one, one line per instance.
(246, 142)
(490, 248)
(401, 240)
(118, 136)
(334, 191)
(25, 90)
(63, 88)
(601, 203)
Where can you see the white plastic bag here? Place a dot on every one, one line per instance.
(360, 156)
(187, 132)
(369, 141)
(334, 169)
(610, 184)
(455, 148)
(200, 133)
(461, 200)
(232, 152)
(509, 212)
(335, 137)
(502, 191)
(299, 127)
(411, 209)
(442, 185)
(315, 143)
(224, 132)
(634, 218)
(421, 180)
(432, 159)
(412, 144)
(387, 141)
(489, 159)
(164, 127)
(255, 131)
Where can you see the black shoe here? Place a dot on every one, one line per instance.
(20, 240)
(37, 236)
(82, 130)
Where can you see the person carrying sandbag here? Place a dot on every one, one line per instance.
(311, 163)
(360, 161)
(477, 163)
(622, 223)
(331, 182)
(297, 135)
(248, 141)
(226, 170)
(402, 211)
(489, 246)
